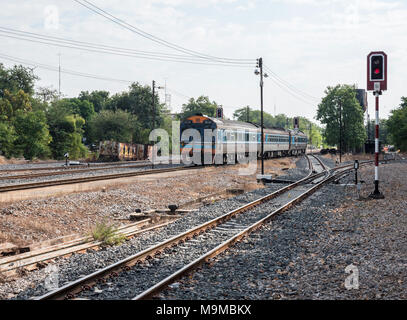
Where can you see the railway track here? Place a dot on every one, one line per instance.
(79, 167)
(169, 260)
(64, 171)
(49, 183)
(42, 184)
(46, 252)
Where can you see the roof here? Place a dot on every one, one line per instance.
(242, 124)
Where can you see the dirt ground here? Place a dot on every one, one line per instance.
(27, 221)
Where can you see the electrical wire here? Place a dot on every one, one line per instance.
(293, 94)
(92, 45)
(149, 36)
(304, 94)
(56, 69)
(113, 52)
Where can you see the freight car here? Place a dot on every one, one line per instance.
(118, 151)
(231, 140)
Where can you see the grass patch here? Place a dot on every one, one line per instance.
(107, 234)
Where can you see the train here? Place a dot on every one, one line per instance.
(245, 137)
(119, 151)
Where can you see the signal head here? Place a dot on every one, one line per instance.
(377, 67)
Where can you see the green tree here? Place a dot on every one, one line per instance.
(82, 108)
(342, 97)
(46, 94)
(201, 105)
(12, 102)
(397, 126)
(99, 99)
(118, 126)
(383, 133)
(254, 116)
(66, 131)
(139, 102)
(7, 138)
(32, 134)
(17, 78)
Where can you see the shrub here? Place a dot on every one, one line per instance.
(107, 234)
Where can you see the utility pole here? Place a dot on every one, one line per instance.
(59, 71)
(153, 124)
(247, 114)
(340, 131)
(261, 106)
(265, 75)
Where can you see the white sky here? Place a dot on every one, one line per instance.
(309, 43)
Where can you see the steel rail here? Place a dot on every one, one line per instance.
(70, 289)
(154, 290)
(64, 171)
(10, 263)
(43, 184)
(80, 166)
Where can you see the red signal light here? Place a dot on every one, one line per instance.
(377, 71)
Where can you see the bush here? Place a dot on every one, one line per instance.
(107, 234)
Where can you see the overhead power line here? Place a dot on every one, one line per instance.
(289, 87)
(76, 73)
(149, 36)
(91, 47)
(56, 69)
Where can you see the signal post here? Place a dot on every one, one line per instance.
(377, 82)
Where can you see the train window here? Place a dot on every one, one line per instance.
(188, 121)
(247, 136)
(207, 122)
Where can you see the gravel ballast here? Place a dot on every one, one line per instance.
(79, 265)
(313, 250)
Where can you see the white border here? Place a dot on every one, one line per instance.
(370, 67)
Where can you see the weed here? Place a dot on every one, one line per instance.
(107, 234)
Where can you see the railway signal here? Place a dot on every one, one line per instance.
(296, 123)
(219, 112)
(377, 82)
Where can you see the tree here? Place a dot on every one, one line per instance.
(383, 132)
(46, 94)
(66, 131)
(32, 134)
(397, 126)
(254, 116)
(139, 102)
(119, 126)
(342, 99)
(11, 103)
(7, 138)
(99, 99)
(17, 78)
(201, 105)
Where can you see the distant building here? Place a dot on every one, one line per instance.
(361, 96)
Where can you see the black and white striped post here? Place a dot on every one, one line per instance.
(376, 193)
(377, 81)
